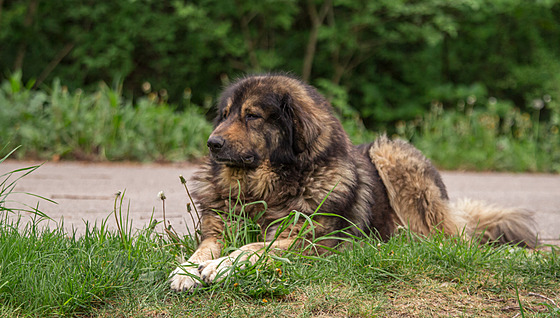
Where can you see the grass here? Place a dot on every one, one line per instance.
(48, 273)
(106, 273)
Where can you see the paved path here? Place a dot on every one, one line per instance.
(86, 192)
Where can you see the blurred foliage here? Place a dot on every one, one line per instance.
(103, 125)
(392, 58)
(488, 135)
(385, 65)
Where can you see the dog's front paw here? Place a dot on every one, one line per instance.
(215, 270)
(185, 277)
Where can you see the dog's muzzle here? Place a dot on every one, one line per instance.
(222, 153)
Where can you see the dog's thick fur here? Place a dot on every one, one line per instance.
(277, 140)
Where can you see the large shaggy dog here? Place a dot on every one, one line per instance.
(277, 140)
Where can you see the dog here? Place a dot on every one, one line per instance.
(277, 140)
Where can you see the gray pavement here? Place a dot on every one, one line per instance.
(86, 192)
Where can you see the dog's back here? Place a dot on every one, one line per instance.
(419, 198)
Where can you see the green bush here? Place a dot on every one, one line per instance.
(391, 57)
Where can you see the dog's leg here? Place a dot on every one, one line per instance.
(215, 270)
(185, 276)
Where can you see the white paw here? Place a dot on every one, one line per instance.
(215, 270)
(184, 277)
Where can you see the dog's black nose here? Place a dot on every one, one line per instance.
(215, 143)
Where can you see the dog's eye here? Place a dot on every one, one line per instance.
(252, 116)
(223, 116)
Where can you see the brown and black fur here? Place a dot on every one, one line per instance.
(276, 140)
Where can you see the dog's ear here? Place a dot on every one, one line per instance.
(284, 153)
(305, 126)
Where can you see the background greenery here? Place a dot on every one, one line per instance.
(386, 65)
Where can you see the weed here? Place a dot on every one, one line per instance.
(7, 186)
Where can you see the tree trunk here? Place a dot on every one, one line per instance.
(1, 5)
(54, 62)
(27, 23)
(316, 22)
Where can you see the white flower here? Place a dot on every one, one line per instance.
(146, 87)
(161, 195)
(538, 103)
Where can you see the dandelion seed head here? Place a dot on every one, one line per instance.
(537, 103)
(146, 87)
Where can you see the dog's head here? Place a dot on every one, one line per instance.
(271, 117)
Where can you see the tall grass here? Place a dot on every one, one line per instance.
(58, 124)
(47, 271)
(488, 136)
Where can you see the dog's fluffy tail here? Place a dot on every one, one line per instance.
(492, 223)
(419, 198)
